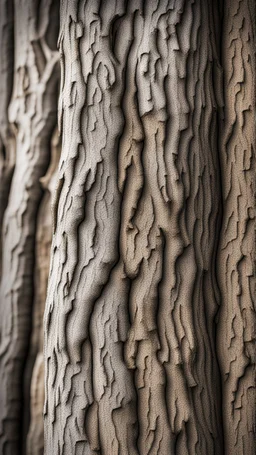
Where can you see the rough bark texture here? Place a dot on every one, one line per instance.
(236, 259)
(7, 145)
(150, 314)
(33, 114)
(130, 319)
(34, 375)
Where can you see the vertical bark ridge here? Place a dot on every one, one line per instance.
(33, 113)
(132, 294)
(236, 258)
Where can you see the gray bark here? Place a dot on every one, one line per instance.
(32, 112)
(150, 315)
(130, 349)
(34, 374)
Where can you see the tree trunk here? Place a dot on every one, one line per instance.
(236, 259)
(33, 114)
(150, 313)
(130, 327)
(34, 374)
(7, 146)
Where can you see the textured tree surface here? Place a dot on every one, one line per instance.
(32, 114)
(7, 148)
(149, 328)
(236, 259)
(34, 374)
(130, 325)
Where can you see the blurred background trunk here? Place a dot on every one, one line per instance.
(29, 93)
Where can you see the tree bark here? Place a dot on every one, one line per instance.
(236, 258)
(150, 321)
(33, 114)
(34, 374)
(130, 329)
(7, 145)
